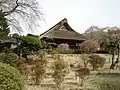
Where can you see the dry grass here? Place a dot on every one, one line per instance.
(70, 82)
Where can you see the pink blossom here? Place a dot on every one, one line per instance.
(63, 46)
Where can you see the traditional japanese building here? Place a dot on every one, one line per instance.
(62, 33)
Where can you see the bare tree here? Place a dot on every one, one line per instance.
(27, 11)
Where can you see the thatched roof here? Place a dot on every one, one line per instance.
(62, 30)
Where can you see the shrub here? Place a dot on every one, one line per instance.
(66, 52)
(15, 61)
(22, 66)
(39, 67)
(30, 40)
(27, 45)
(107, 84)
(10, 78)
(82, 72)
(96, 61)
(54, 51)
(85, 59)
(57, 51)
(9, 58)
(60, 71)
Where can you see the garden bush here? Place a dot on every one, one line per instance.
(85, 59)
(22, 66)
(10, 78)
(9, 58)
(60, 71)
(82, 73)
(39, 67)
(30, 40)
(57, 51)
(96, 61)
(54, 51)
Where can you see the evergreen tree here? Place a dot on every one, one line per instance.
(4, 29)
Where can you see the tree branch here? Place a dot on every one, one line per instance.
(11, 11)
(28, 11)
(1, 2)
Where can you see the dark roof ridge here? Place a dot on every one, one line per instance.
(63, 21)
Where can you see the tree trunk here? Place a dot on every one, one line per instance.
(81, 82)
(37, 81)
(117, 59)
(85, 64)
(113, 57)
(118, 51)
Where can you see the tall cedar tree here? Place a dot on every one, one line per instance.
(4, 29)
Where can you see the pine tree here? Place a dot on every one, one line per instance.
(4, 29)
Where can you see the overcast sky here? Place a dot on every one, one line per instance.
(81, 14)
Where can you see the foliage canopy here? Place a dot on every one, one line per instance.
(4, 29)
(10, 78)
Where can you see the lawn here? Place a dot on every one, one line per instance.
(71, 83)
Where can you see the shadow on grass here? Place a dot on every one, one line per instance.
(45, 85)
(110, 75)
